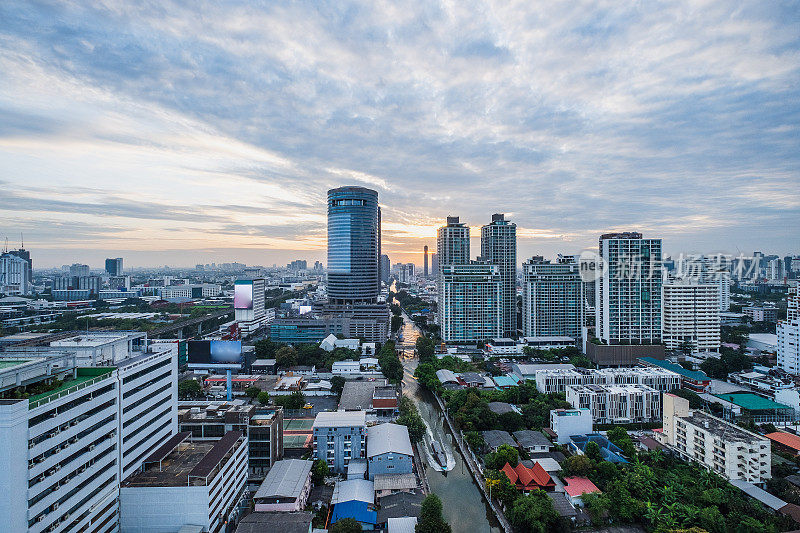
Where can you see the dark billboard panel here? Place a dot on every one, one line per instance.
(215, 354)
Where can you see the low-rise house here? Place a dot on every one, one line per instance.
(533, 441)
(354, 499)
(528, 479)
(389, 450)
(577, 487)
(494, 438)
(785, 442)
(386, 484)
(299, 522)
(501, 408)
(346, 368)
(286, 486)
(608, 450)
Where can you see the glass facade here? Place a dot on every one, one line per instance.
(353, 245)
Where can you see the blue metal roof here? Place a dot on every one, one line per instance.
(354, 509)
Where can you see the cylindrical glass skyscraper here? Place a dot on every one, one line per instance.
(353, 245)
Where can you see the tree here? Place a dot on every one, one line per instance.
(430, 517)
(577, 465)
(337, 386)
(397, 323)
(504, 454)
(252, 392)
(391, 366)
(534, 513)
(592, 451)
(500, 487)
(319, 471)
(286, 357)
(474, 440)
(263, 397)
(346, 525)
(511, 421)
(189, 388)
(425, 349)
(295, 400)
(266, 348)
(409, 417)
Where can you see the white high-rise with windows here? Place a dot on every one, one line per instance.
(452, 243)
(628, 290)
(789, 334)
(691, 315)
(499, 247)
(14, 275)
(82, 430)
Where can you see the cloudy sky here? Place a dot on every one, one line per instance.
(184, 132)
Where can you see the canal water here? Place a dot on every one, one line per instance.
(463, 505)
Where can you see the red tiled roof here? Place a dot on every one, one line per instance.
(787, 439)
(577, 486)
(528, 478)
(510, 473)
(540, 476)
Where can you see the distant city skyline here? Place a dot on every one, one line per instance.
(167, 137)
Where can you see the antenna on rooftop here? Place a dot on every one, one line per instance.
(5, 247)
(21, 241)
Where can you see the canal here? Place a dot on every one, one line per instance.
(462, 502)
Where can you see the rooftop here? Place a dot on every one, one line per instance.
(395, 482)
(285, 479)
(494, 438)
(85, 377)
(258, 522)
(332, 419)
(400, 505)
(386, 438)
(694, 375)
(357, 395)
(750, 401)
(787, 439)
(578, 486)
(719, 428)
(353, 489)
(528, 438)
(8, 363)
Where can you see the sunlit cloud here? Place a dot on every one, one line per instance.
(216, 128)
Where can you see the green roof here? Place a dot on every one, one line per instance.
(84, 376)
(751, 402)
(8, 363)
(696, 375)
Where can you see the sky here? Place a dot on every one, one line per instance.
(176, 133)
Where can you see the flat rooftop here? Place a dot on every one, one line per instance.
(175, 467)
(84, 376)
(720, 428)
(9, 363)
(340, 419)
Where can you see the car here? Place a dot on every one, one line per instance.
(308, 406)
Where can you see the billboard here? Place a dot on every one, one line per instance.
(243, 295)
(215, 354)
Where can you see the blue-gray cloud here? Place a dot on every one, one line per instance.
(680, 119)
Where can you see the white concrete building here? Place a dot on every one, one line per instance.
(499, 247)
(248, 304)
(188, 292)
(14, 275)
(719, 446)
(186, 484)
(789, 334)
(556, 380)
(69, 447)
(568, 422)
(691, 316)
(617, 404)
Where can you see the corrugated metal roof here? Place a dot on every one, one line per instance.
(756, 493)
(406, 524)
(388, 438)
(340, 419)
(353, 489)
(286, 479)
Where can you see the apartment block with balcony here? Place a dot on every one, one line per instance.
(339, 437)
(617, 404)
(721, 447)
